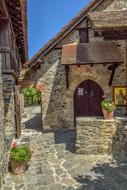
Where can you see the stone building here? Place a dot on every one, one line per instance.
(83, 62)
(13, 54)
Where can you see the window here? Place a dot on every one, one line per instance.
(116, 34)
(83, 33)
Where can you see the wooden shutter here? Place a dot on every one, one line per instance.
(83, 33)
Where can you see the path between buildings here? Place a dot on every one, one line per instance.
(55, 166)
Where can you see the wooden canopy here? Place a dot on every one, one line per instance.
(17, 10)
(91, 53)
(108, 20)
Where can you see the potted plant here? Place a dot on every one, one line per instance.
(108, 108)
(19, 157)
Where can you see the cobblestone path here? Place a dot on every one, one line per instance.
(54, 166)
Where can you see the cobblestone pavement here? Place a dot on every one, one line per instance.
(54, 166)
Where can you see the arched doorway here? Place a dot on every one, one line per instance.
(87, 99)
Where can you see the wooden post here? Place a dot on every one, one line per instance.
(17, 111)
(87, 25)
(67, 76)
(112, 68)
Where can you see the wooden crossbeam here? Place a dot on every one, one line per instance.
(112, 68)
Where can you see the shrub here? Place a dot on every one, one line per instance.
(108, 105)
(20, 153)
(32, 96)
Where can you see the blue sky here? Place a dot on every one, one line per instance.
(47, 17)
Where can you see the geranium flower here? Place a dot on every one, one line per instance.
(13, 145)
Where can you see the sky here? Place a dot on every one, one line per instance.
(47, 17)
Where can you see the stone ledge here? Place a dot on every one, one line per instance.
(99, 136)
(92, 119)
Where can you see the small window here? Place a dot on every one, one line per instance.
(83, 33)
(117, 34)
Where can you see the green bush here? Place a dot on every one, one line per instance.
(20, 153)
(32, 96)
(108, 105)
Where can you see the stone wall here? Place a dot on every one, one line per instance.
(112, 5)
(3, 156)
(57, 101)
(52, 85)
(9, 105)
(98, 136)
(7, 122)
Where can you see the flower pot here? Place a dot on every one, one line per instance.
(18, 167)
(108, 115)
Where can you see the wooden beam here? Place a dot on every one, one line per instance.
(67, 76)
(87, 25)
(99, 63)
(112, 68)
(10, 72)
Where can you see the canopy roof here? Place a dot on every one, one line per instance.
(108, 20)
(91, 53)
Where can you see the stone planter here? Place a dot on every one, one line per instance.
(18, 167)
(107, 115)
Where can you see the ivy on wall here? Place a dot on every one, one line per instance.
(32, 96)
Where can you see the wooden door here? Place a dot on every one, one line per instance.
(17, 111)
(87, 99)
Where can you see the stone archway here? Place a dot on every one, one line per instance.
(87, 99)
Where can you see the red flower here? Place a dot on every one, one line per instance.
(13, 145)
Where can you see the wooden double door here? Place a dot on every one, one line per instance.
(87, 99)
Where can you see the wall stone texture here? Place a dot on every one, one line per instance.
(3, 147)
(7, 121)
(9, 105)
(98, 136)
(2, 134)
(112, 5)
